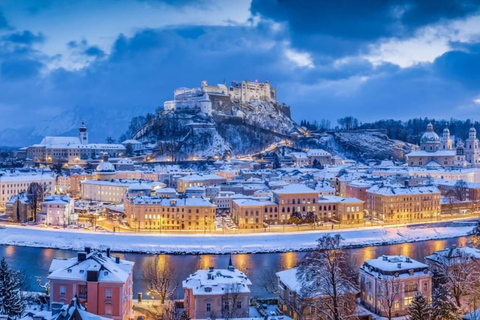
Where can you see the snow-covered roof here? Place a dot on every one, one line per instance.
(399, 263)
(253, 202)
(174, 202)
(438, 153)
(75, 270)
(295, 189)
(289, 278)
(401, 190)
(197, 177)
(65, 141)
(318, 153)
(57, 199)
(217, 282)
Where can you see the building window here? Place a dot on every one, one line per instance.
(208, 307)
(226, 306)
(239, 305)
(63, 290)
(108, 293)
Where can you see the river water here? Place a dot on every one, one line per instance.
(36, 261)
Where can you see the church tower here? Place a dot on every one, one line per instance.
(446, 141)
(460, 154)
(83, 134)
(471, 150)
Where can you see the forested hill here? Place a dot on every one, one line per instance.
(409, 131)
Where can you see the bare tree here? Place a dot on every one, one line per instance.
(36, 193)
(161, 279)
(168, 311)
(232, 305)
(388, 291)
(323, 274)
(270, 281)
(459, 274)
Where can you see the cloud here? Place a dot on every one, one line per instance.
(94, 51)
(19, 69)
(25, 37)
(3, 20)
(343, 27)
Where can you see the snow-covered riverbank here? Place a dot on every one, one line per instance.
(219, 244)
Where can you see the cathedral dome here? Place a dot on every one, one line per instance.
(446, 130)
(105, 167)
(430, 135)
(472, 129)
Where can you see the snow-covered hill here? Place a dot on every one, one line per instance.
(254, 126)
(360, 145)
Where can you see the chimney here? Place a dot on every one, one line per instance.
(399, 265)
(210, 269)
(407, 259)
(81, 256)
(117, 259)
(384, 258)
(139, 297)
(88, 249)
(108, 252)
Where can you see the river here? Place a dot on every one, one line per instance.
(36, 261)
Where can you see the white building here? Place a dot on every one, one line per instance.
(13, 183)
(59, 210)
(72, 150)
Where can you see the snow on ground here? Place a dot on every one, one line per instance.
(218, 244)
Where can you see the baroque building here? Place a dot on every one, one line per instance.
(435, 151)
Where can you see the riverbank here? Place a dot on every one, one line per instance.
(224, 244)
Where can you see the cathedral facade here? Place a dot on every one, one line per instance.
(439, 152)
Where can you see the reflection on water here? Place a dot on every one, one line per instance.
(36, 261)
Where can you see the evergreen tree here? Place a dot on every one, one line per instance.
(11, 301)
(442, 307)
(419, 309)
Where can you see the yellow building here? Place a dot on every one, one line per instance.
(156, 213)
(399, 204)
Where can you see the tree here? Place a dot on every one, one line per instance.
(323, 275)
(459, 274)
(110, 140)
(388, 292)
(129, 149)
(442, 307)
(160, 278)
(11, 300)
(36, 193)
(230, 299)
(168, 311)
(419, 309)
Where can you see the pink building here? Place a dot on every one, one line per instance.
(217, 293)
(103, 284)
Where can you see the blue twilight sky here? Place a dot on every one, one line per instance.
(370, 59)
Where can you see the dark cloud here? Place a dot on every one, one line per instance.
(3, 20)
(345, 27)
(94, 51)
(461, 66)
(25, 37)
(20, 69)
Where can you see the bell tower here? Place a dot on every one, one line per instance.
(83, 134)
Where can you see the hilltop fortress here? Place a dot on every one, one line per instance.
(222, 99)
